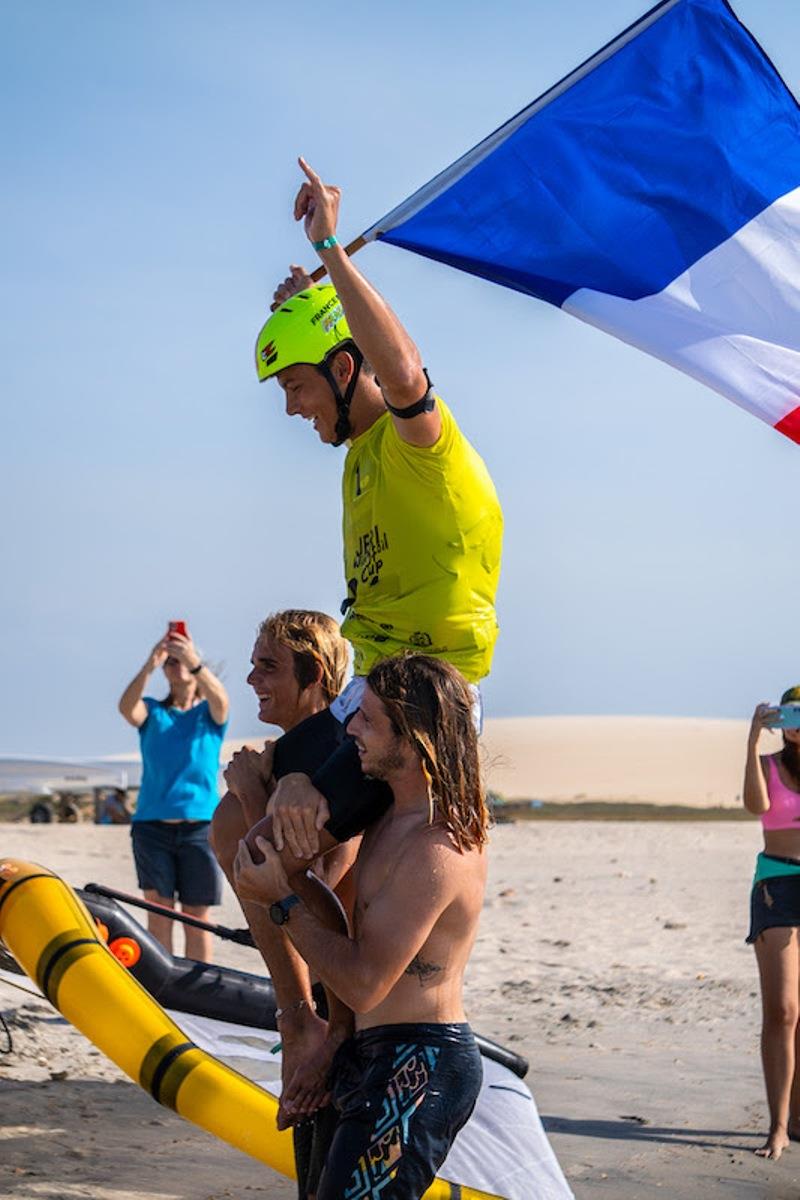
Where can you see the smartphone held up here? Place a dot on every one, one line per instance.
(783, 716)
(178, 627)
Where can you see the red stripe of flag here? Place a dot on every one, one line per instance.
(790, 425)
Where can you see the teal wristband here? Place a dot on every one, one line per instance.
(326, 243)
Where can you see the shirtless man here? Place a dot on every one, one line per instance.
(420, 879)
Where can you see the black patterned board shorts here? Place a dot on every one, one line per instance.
(402, 1093)
(312, 1140)
(774, 903)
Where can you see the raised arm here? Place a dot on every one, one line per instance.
(754, 792)
(131, 704)
(208, 686)
(376, 329)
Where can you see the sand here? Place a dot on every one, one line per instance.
(658, 760)
(611, 955)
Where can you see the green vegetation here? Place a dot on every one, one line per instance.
(15, 806)
(607, 810)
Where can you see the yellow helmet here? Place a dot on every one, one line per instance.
(303, 330)
(309, 328)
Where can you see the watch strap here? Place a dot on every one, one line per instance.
(283, 906)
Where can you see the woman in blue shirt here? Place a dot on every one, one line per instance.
(180, 740)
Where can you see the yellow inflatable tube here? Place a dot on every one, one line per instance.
(54, 939)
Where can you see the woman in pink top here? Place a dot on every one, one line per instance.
(772, 792)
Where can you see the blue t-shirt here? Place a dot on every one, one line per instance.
(180, 763)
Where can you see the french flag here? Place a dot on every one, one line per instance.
(655, 193)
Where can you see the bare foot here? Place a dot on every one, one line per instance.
(303, 1035)
(308, 1087)
(775, 1145)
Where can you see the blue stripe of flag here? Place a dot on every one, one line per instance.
(629, 176)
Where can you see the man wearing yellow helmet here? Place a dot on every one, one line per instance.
(422, 523)
(422, 540)
(310, 329)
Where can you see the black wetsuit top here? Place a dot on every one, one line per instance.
(320, 748)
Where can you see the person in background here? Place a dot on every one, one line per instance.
(67, 810)
(180, 738)
(114, 808)
(772, 792)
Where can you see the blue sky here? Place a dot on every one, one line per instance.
(148, 158)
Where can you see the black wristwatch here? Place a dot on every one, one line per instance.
(279, 911)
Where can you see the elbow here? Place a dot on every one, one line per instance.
(407, 383)
(362, 1002)
(755, 804)
(363, 994)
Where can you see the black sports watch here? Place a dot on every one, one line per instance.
(279, 911)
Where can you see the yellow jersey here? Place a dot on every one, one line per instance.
(423, 533)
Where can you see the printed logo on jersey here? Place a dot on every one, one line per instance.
(368, 560)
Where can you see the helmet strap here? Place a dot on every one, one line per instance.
(343, 427)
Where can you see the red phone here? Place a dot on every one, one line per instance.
(177, 627)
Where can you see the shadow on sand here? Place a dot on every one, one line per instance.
(636, 1129)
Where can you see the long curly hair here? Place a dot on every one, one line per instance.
(430, 705)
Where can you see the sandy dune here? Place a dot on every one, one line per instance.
(658, 760)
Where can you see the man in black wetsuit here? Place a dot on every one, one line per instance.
(299, 662)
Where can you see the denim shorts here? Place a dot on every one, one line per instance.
(174, 858)
(402, 1093)
(774, 904)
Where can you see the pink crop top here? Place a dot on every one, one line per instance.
(784, 804)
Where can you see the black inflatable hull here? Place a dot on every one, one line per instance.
(205, 990)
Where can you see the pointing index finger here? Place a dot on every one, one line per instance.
(310, 174)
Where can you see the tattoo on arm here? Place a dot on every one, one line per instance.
(424, 971)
